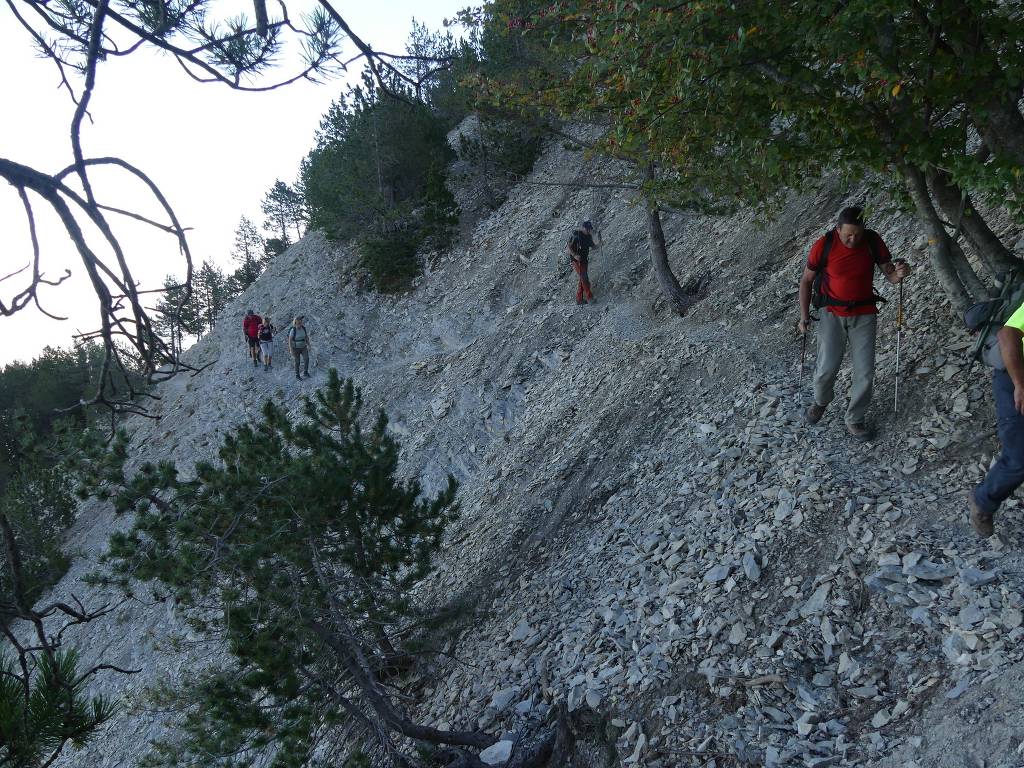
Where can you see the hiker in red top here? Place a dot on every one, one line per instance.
(848, 312)
(578, 248)
(251, 326)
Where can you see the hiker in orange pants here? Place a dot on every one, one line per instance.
(578, 248)
(583, 292)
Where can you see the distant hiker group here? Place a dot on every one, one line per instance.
(260, 333)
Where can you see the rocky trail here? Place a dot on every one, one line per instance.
(649, 529)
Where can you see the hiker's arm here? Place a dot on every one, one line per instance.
(1011, 346)
(895, 271)
(806, 280)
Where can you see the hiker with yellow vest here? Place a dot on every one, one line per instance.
(841, 268)
(1007, 474)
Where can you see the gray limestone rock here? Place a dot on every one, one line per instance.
(750, 567)
(497, 754)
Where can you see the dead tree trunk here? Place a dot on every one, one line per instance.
(346, 649)
(959, 209)
(939, 248)
(673, 292)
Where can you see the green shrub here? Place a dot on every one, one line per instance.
(391, 259)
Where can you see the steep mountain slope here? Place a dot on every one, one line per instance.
(648, 526)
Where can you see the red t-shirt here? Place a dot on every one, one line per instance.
(251, 324)
(850, 272)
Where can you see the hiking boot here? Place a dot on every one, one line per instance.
(861, 431)
(814, 413)
(981, 520)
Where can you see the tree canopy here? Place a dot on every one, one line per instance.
(735, 103)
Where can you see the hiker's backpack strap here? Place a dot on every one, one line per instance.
(873, 240)
(819, 298)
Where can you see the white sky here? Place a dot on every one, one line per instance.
(214, 153)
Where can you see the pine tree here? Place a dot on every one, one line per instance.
(305, 540)
(45, 704)
(212, 294)
(248, 253)
(177, 313)
(285, 210)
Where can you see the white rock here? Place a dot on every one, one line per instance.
(816, 602)
(497, 754)
(716, 574)
(1012, 618)
(751, 568)
(738, 633)
(501, 699)
(520, 633)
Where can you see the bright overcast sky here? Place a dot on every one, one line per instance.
(214, 153)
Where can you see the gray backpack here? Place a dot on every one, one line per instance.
(298, 341)
(987, 317)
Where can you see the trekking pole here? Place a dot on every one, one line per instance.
(899, 329)
(803, 354)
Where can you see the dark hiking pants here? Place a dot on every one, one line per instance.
(1008, 471)
(303, 355)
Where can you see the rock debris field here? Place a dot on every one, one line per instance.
(649, 529)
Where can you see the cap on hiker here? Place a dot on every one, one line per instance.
(587, 225)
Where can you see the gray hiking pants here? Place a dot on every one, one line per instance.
(834, 334)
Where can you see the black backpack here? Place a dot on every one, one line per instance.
(266, 333)
(819, 296)
(575, 245)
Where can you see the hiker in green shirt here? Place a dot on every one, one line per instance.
(299, 344)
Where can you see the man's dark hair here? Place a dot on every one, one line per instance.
(852, 215)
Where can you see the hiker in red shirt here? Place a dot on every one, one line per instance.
(848, 314)
(251, 326)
